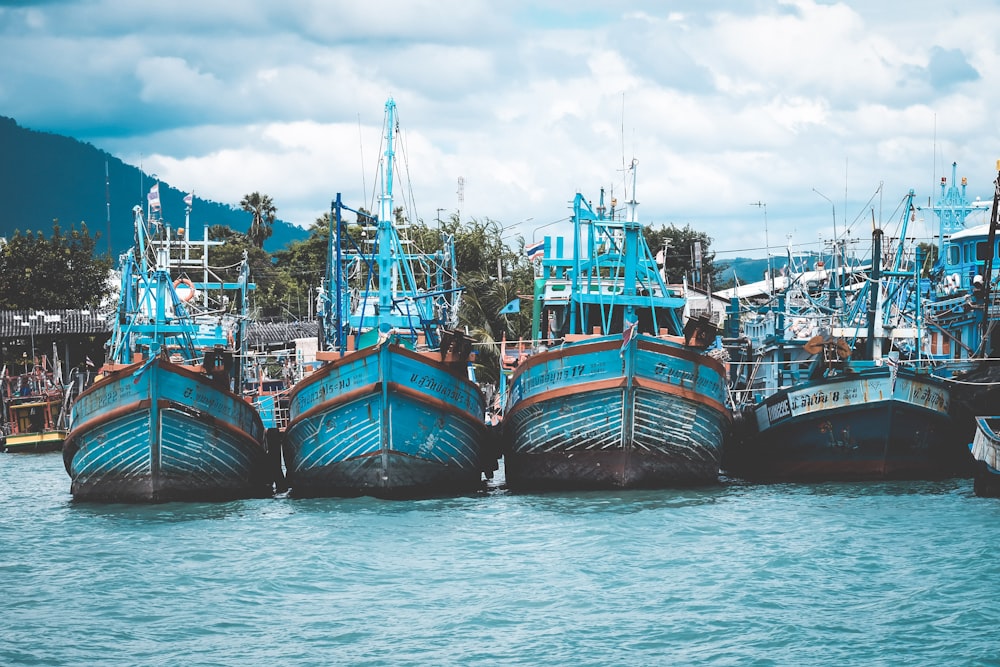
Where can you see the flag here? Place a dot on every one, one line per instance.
(893, 372)
(511, 308)
(627, 335)
(535, 250)
(154, 198)
(189, 199)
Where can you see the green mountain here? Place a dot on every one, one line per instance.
(744, 269)
(748, 270)
(46, 176)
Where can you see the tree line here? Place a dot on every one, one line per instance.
(65, 271)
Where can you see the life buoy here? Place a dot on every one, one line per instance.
(190, 289)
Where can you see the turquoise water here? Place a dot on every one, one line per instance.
(822, 574)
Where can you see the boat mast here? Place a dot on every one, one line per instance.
(334, 259)
(384, 234)
(988, 269)
(951, 209)
(875, 288)
(907, 214)
(631, 240)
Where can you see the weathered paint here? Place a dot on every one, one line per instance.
(386, 421)
(164, 433)
(593, 414)
(863, 425)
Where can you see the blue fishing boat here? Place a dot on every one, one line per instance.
(962, 302)
(615, 391)
(162, 422)
(858, 399)
(392, 411)
(960, 285)
(985, 450)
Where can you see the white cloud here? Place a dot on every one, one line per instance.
(723, 103)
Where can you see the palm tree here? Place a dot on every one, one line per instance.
(264, 213)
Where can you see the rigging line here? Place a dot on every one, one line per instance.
(224, 268)
(410, 204)
(403, 170)
(372, 209)
(863, 214)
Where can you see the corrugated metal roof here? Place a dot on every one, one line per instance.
(275, 333)
(20, 324)
(52, 323)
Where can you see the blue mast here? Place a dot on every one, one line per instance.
(401, 308)
(619, 271)
(951, 209)
(385, 220)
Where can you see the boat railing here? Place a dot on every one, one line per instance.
(35, 383)
(994, 308)
(949, 311)
(758, 378)
(755, 380)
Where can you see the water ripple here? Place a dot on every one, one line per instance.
(734, 574)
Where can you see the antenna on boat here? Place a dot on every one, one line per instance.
(624, 169)
(107, 201)
(767, 246)
(632, 203)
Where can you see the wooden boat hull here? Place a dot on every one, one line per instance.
(596, 415)
(985, 450)
(857, 426)
(45, 441)
(160, 432)
(386, 421)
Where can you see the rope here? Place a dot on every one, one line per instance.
(971, 384)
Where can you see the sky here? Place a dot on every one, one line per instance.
(763, 124)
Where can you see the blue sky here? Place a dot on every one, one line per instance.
(813, 108)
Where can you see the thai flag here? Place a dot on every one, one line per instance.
(535, 250)
(154, 198)
(189, 199)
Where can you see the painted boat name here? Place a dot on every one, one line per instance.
(454, 394)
